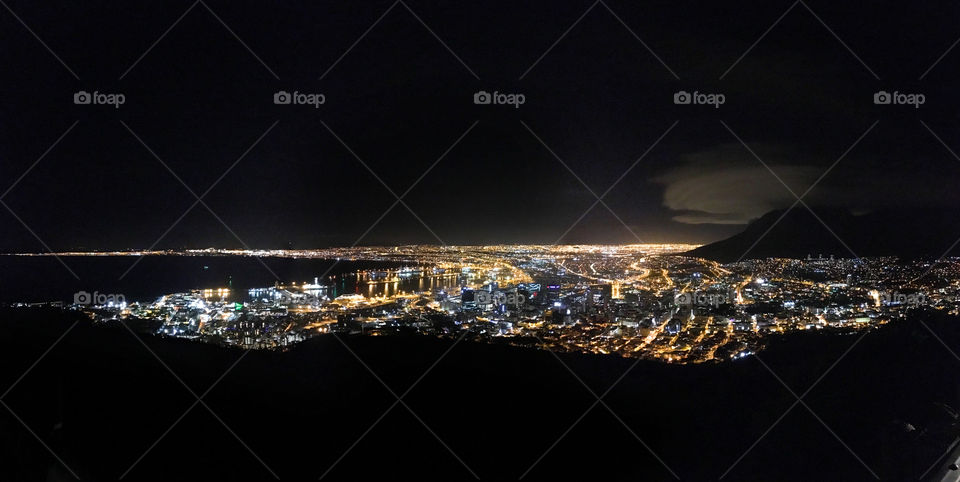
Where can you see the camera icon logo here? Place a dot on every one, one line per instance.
(482, 97)
(682, 97)
(282, 97)
(82, 298)
(882, 97)
(82, 97)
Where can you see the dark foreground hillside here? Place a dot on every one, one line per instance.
(100, 400)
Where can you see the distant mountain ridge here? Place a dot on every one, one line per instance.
(907, 233)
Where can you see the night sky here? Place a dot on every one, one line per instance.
(200, 95)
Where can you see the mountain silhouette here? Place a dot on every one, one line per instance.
(799, 232)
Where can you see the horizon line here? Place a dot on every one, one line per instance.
(135, 251)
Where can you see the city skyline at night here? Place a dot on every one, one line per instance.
(499, 240)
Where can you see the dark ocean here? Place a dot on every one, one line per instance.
(44, 278)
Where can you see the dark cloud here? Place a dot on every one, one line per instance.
(727, 185)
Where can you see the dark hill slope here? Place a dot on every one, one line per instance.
(99, 399)
(902, 232)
